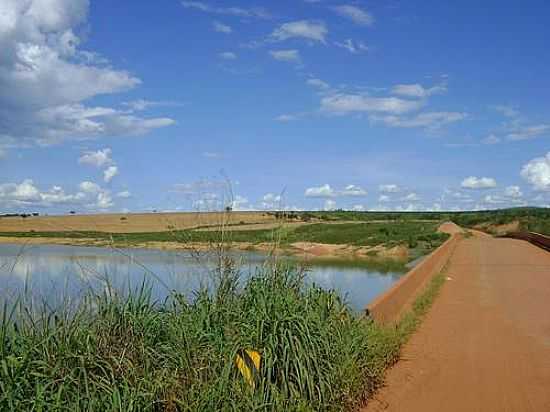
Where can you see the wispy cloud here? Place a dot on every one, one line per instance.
(221, 28)
(314, 82)
(286, 118)
(529, 132)
(314, 31)
(292, 56)
(417, 90)
(430, 120)
(228, 56)
(411, 197)
(254, 12)
(142, 104)
(125, 194)
(353, 47)
(343, 103)
(491, 139)
(506, 110)
(355, 14)
(212, 155)
(401, 107)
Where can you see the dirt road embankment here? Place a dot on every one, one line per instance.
(389, 306)
(485, 344)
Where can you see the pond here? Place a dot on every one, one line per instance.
(54, 273)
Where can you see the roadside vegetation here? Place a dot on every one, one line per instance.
(528, 219)
(531, 219)
(127, 352)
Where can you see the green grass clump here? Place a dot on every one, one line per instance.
(411, 319)
(132, 354)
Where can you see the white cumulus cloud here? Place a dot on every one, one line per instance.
(104, 201)
(110, 173)
(353, 190)
(537, 172)
(411, 197)
(90, 187)
(46, 75)
(473, 182)
(326, 191)
(271, 201)
(27, 195)
(239, 203)
(99, 158)
(513, 192)
(320, 191)
(329, 205)
(389, 188)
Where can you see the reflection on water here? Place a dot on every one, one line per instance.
(55, 273)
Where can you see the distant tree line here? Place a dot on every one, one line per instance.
(23, 215)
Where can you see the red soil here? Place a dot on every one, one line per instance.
(485, 344)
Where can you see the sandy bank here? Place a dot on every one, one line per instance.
(303, 249)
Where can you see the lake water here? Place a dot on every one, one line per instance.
(54, 273)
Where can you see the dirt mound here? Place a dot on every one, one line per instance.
(450, 228)
(500, 229)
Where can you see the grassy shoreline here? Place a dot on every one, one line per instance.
(130, 353)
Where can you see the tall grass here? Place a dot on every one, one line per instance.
(133, 354)
(127, 352)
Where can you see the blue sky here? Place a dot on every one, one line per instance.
(369, 105)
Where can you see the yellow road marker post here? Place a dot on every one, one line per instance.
(248, 363)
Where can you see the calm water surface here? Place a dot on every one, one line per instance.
(54, 273)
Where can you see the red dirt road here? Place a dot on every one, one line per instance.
(485, 344)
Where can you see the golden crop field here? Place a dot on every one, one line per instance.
(131, 223)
